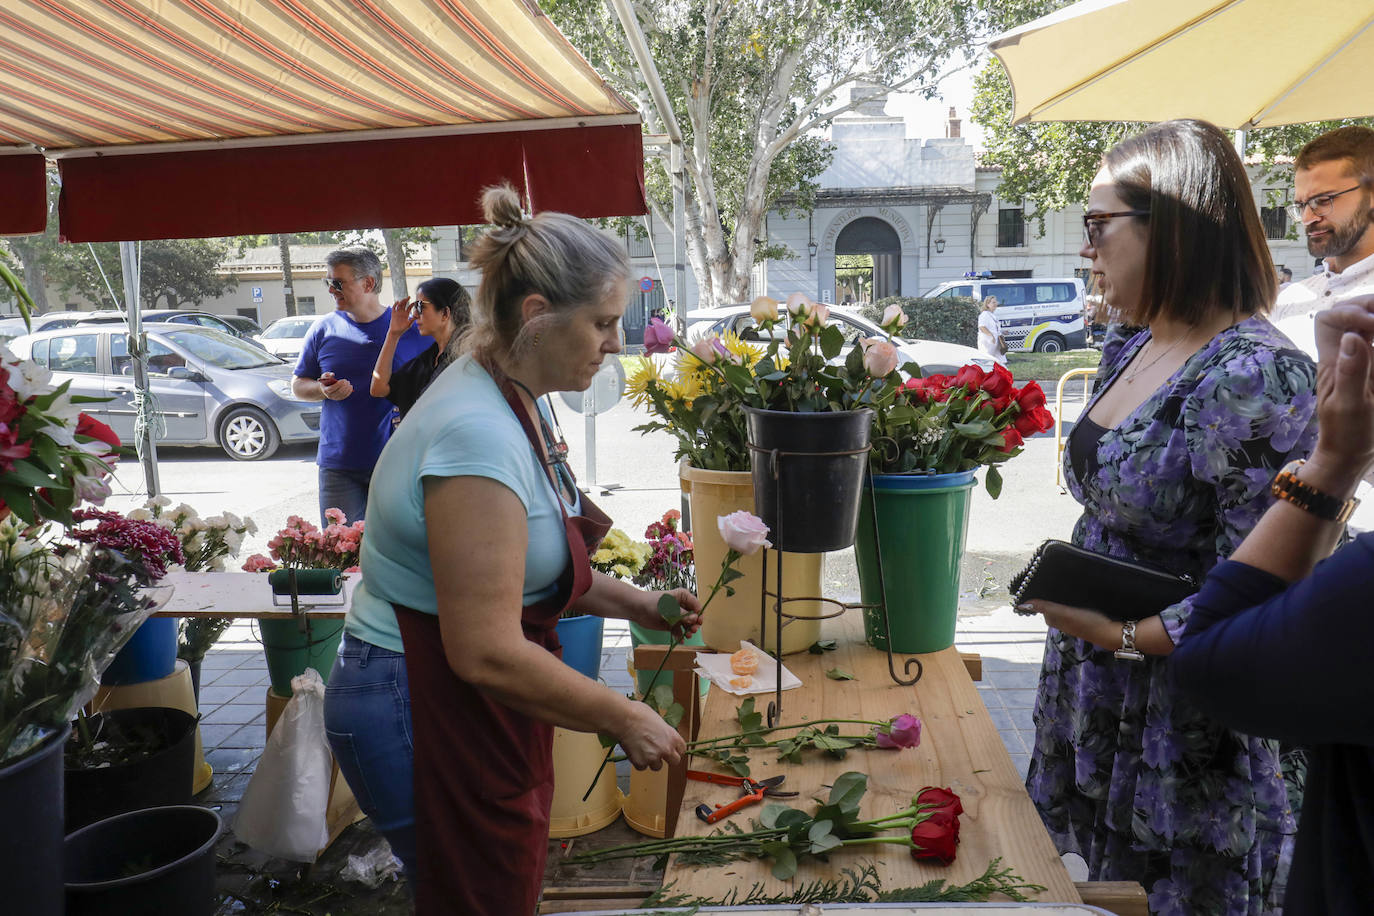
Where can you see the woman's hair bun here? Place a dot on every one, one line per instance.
(501, 207)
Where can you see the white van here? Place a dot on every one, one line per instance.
(1045, 315)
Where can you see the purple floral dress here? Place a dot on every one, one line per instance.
(1125, 772)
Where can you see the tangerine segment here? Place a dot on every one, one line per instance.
(742, 683)
(745, 661)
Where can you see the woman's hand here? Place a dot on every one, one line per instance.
(400, 318)
(646, 612)
(1345, 390)
(1099, 629)
(648, 741)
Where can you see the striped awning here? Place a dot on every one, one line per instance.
(189, 118)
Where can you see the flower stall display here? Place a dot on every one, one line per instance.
(670, 563)
(310, 559)
(926, 447)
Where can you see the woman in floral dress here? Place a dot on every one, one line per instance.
(1172, 462)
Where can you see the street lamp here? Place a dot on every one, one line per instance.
(940, 246)
(810, 253)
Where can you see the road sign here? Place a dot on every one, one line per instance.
(257, 294)
(646, 283)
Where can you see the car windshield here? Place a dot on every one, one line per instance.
(220, 349)
(290, 327)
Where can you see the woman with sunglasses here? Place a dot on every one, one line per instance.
(441, 311)
(441, 704)
(1172, 460)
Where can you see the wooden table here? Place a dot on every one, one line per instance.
(960, 748)
(243, 595)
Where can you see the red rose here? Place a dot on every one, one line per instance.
(970, 376)
(936, 838)
(1011, 439)
(1030, 396)
(942, 798)
(1035, 420)
(11, 449)
(998, 383)
(94, 429)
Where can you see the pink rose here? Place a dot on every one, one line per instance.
(894, 319)
(798, 305)
(709, 349)
(880, 357)
(658, 337)
(903, 731)
(743, 532)
(764, 310)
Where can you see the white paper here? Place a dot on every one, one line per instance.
(715, 667)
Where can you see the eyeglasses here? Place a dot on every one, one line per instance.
(337, 283)
(1092, 223)
(1320, 204)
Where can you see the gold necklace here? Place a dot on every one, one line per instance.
(1128, 378)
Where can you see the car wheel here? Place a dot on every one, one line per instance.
(246, 434)
(1049, 343)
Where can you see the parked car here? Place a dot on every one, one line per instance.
(247, 328)
(47, 321)
(176, 316)
(1044, 315)
(213, 389)
(11, 328)
(933, 356)
(285, 337)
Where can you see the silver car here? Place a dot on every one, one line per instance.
(212, 389)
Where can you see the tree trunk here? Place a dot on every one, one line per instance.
(284, 246)
(34, 280)
(396, 261)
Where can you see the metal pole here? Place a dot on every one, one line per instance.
(589, 411)
(1242, 138)
(138, 350)
(679, 234)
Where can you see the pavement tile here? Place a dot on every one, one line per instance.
(233, 760)
(243, 676)
(1023, 718)
(213, 695)
(1014, 741)
(1022, 763)
(234, 713)
(213, 735)
(248, 736)
(1001, 718)
(1020, 678)
(1017, 699)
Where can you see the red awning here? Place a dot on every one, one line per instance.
(193, 118)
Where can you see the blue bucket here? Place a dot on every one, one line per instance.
(149, 655)
(581, 639)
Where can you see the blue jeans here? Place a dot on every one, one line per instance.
(346, 489)
(367, 721)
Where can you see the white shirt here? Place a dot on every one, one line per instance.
(1325, 289)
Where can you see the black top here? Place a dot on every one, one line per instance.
(1292, 662)
(411, 379)
(1083, 441)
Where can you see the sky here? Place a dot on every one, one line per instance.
(926, 119)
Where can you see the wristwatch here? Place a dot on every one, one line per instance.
(1288, 486)
(1128, 652)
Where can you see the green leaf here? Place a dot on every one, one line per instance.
(661, 697)
(673, 714)
(821, 646)
(669, 609)
(832, 341)
(848, 790)
(993, 482)
(784, 859)
(748, 718)
(770, 814)
(607, 740)
(838, 674)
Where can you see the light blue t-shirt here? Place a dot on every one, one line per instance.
(461, 427)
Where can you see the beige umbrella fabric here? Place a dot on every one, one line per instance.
(1239, 63)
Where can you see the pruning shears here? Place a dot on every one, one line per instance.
(753, 790)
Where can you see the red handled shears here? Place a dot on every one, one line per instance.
(753, 791)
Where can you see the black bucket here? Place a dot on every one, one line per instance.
(163, 778)
(31, 842)
(154, 861)
(808, 472)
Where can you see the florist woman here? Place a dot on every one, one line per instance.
(477, 541)
(1172, 462)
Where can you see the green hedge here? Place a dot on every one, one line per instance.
(953, 320)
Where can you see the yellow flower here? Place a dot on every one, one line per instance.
(638, 381)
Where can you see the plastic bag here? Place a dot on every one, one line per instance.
(283, 811)
(373, 868)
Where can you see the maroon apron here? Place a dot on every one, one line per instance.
(484, 772)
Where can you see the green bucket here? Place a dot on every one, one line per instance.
(643, 636)
(290, 652)
(922, 528)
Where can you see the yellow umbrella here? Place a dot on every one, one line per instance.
(1237, 63)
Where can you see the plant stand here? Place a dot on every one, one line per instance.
(784, 542)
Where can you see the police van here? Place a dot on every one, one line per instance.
(1044, 315)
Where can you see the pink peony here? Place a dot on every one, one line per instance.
(743, 532)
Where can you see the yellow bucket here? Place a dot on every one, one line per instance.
(647, 802)
(576, 757)
(732, 618)
(173, 691)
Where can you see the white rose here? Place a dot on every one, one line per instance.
(743, 532)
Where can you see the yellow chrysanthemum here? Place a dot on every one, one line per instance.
(637, 382)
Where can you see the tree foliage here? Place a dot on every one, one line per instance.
(753, 83)
(173, 272)
(1050, 164)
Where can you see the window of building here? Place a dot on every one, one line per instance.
(1011, 226)
(637, 246)
(1274, 216)
(305, 305)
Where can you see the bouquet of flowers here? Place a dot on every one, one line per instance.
(617, 555)
(301, 545)
(670, 564)
(71, 600)
(952, 423)
(716, 376)
(206, 543)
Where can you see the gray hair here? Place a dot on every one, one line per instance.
(362, 259)
(553, 255)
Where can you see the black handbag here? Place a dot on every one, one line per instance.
(1122, 590)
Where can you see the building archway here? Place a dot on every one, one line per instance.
(868, 261)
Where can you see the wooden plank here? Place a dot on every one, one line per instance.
(973, 663)
(242, 595)
(1124, 898)
(960, 748)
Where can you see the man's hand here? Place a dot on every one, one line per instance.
(1345, 391)
(335, 389)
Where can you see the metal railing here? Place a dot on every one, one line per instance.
(1088, 373)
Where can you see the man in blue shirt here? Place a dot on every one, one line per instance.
(335, 367)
